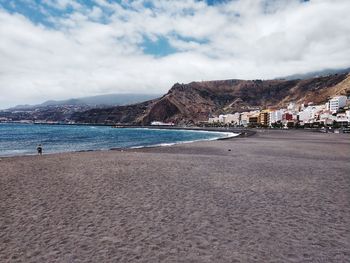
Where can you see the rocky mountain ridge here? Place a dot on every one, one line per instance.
(196, 101)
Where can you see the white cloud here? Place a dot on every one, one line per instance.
(62, 4)
(98, 49)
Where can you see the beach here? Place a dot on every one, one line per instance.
(276, 196)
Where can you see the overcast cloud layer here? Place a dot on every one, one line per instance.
(65, 48)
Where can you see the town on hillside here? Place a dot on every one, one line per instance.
(335, 113)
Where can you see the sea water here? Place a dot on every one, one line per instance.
(22, 139)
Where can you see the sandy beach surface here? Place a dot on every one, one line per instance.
(278, 196)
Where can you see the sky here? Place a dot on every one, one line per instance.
(58, 49)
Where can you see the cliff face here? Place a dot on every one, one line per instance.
(194, 102)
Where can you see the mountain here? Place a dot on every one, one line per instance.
(315, 74)
(93, 101)
(194, 102)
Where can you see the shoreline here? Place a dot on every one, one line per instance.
(239, 132)
(229, 135)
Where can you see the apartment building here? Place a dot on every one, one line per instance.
(336, 103)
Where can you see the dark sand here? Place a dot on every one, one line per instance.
(279, 196)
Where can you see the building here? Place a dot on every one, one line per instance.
(213, 120)
(305, 116)
(264, 118)
(292, 107)
(159, 123)
(244, 119)
(342, 119)
(311, 113)
(326, 118)
(294, 115)
(232, 119)
(253, 120)
(222, 118)
(347, 112)
(287, 117)
(275, 116)
(336, 103)
(252, 117)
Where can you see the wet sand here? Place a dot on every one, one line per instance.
(278, 196)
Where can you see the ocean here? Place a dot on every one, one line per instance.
(22, 139)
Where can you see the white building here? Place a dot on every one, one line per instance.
(233, 118)
(159, 123)
(293, 107)
(222, 118)
(327, 118)
(336, 103)
(244, 119)
(310, 113)
(348, 114)
(342, 118)
(213, 119)
(226, 119)
(276, 116)
(305, 116)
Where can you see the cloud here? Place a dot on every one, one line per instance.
(75, 49)
(62, 4)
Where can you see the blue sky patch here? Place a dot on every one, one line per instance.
(159, 48)
(35, 11)
(215, 2)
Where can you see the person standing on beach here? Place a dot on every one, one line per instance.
(39, 149)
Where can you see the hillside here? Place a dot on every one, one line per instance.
(194, 102)
(92, 101)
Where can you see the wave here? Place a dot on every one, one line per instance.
(228, 135)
